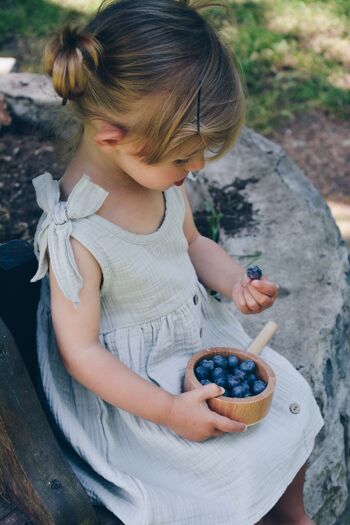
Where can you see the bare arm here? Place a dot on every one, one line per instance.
(89, 362)
(215, 268)
(219, 271)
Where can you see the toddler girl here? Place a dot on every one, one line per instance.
(124, 303)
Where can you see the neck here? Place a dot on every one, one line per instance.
(89, 160)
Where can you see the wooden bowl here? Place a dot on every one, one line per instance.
(248, 410)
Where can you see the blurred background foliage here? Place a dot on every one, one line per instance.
(295, 55)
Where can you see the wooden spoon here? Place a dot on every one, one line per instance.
(262, 338)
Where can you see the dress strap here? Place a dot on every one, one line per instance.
(55, 227)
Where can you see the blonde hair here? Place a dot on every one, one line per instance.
(153, 56)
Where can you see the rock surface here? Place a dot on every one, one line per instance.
(267, 206)
(30, 98)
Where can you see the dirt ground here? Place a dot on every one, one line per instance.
(319, 144)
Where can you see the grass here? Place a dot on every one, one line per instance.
(295, 55)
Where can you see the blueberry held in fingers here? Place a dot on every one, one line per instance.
(254, 272)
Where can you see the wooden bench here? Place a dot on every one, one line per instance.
(36, 482)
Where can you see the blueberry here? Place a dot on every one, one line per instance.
(254, 272)
(251, 378)
(232, 381)
(245, 385)
(237, 391)
(205, 381)
(247, 366)
(258, 387)
(207, 363)
(217, 372)
(201, 372)
(221, 381)
(239, 374)
(232, 361)
(220, 361)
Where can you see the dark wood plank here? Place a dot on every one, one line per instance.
(5, 507)
(15, 518)
(10, 515)
(34, 473)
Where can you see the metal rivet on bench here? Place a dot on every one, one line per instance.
(55, 484)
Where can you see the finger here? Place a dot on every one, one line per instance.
(266, 287)
(262, 299)
(251, 302)
(245, 280)
(217, 433)
(208, 391)
(226, 424)
(242, 303)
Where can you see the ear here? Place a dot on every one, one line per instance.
(108, 136)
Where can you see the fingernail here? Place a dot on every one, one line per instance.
(255, 283)
(245, 428)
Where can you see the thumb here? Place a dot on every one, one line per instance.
(209, 391)
(245, 280)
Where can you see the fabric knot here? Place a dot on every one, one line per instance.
(60, 213)
(55, 226)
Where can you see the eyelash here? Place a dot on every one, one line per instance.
(181, 161)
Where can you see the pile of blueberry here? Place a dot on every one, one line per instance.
(235, 376)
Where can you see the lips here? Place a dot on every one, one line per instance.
(180, 182)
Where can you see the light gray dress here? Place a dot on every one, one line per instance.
(155, 315)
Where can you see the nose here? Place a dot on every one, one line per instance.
(196, 163)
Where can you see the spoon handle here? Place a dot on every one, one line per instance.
(262, 338)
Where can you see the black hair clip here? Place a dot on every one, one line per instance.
(199, 105)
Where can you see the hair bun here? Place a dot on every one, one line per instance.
(68, 58)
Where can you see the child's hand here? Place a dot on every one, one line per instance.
(252, 297)
(191, 418)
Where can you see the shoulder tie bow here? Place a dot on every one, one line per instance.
(55, 226)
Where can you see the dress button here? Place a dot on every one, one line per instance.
(195, 299)
(294, 408)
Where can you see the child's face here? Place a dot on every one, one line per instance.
(157, 176)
